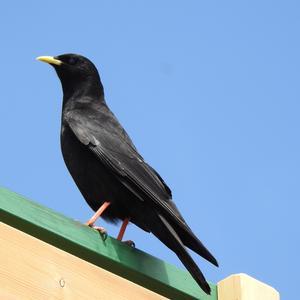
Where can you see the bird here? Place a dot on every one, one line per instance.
(114, 179)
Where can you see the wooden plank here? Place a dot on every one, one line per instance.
(84, 242)
(33, 269)
(244, 287)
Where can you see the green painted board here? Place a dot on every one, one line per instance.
(85, 242)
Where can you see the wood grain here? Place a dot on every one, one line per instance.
(32, 269)
(244, 287)
(82, 241)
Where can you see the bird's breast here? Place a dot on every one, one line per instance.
(95, 182)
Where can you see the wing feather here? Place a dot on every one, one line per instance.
(122, 159)
(119, 155)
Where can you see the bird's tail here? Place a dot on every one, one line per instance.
(191, 241)
(188, 237)
(162, 229)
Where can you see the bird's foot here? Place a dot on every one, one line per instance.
(101, 230)
(129, 243)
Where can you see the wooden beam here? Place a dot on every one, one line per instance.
(33, 269)
(111, 255)
(244, 287)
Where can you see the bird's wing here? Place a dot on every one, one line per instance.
(117, 154)
(121, 158)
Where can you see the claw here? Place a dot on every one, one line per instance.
(104, 236)
(129, 243)
(101, 230)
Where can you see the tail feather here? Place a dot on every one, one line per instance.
(162, 229)
(191, 241)
(188, 238)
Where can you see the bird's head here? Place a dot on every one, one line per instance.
(78, 75)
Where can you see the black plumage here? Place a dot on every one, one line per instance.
(106, 166)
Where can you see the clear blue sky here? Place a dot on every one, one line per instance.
(209, 92)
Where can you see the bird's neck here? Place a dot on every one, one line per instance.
(82, 89)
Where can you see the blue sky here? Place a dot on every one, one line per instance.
(209, 92)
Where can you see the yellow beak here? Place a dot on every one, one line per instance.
(50, 60)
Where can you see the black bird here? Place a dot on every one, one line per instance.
(112, 176)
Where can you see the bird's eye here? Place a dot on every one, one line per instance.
(72, 60)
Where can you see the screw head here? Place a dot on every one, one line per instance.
(62, 283)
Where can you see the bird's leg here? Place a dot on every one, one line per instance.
(122, 231)
(97, 214)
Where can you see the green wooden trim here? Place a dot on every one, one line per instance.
(112, 255)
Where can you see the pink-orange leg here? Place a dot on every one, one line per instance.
(97, 214)
(122, 229)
